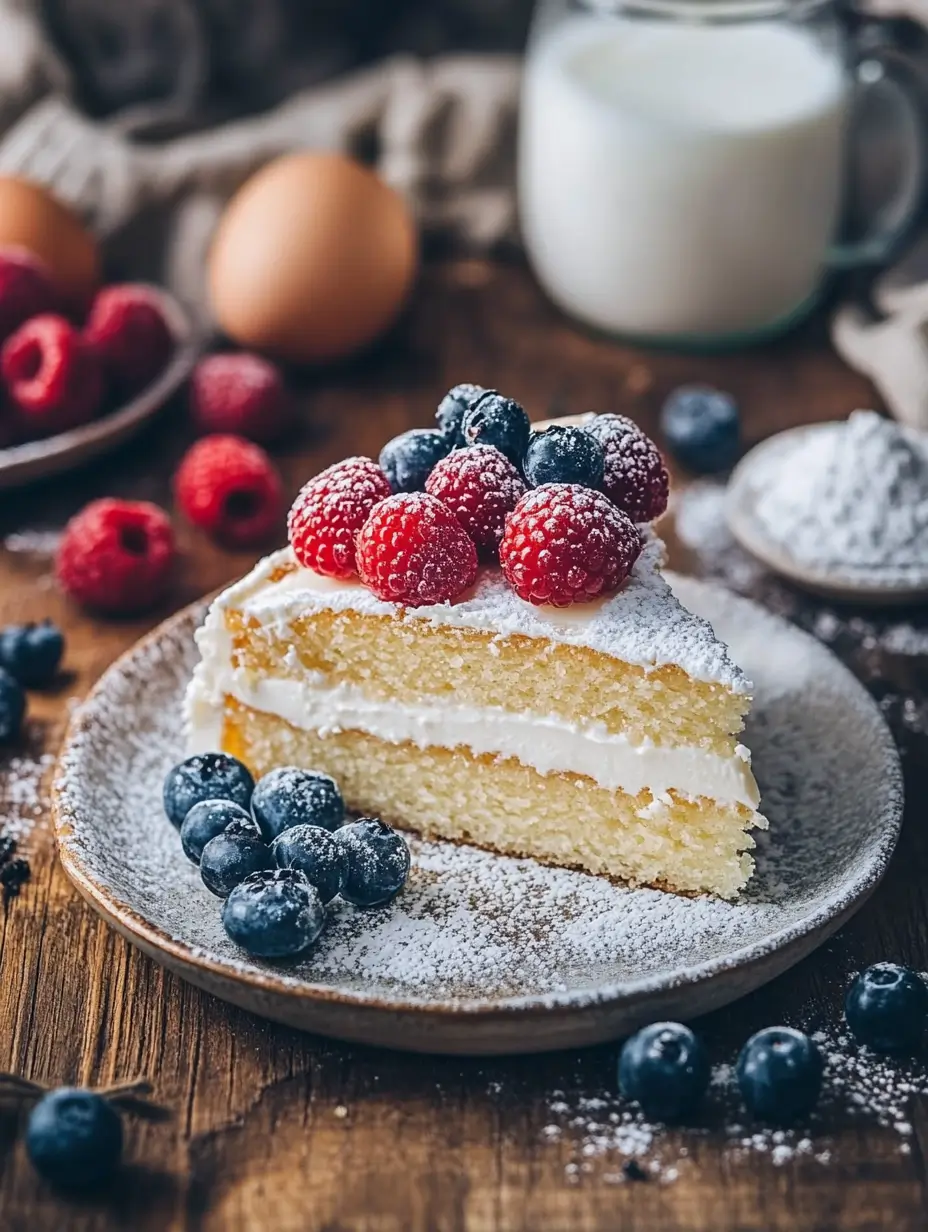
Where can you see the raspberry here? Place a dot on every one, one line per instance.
(241, 393)
(116, 555)
(330, 510)
(480, 486)
(635, 477)
(566, 544)
(53, 376)
(230, 488)
(26, 289)
(127, 329)
(413, 550)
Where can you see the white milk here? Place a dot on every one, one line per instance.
(680, 179)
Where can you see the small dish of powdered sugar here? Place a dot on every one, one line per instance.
(840, 509)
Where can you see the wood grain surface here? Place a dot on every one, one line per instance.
(266, 1128)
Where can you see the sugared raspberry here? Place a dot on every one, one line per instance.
(480, 486)
(566, 544)
(52, 375)
(231, 489)
(635, 477)
(26, 289)
(115, 556)
(128, 330)
(412, 550)
(330, 510)
(240, 393)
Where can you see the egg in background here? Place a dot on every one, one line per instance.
(31, 218)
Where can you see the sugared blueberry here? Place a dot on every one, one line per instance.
(378, 862)
(498, 421)
(12, 706)
(206, 776)
(32, 652)
(207, 819)
(779, 1073)
(563, 455)
(313, 851)
(702, 429)
(233, 855)
(887, 1007)
(451, 410)
(274, 914)
(74, 1138)
(289, 796)
(664, 1068)
(408, 459)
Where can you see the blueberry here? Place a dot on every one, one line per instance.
(887, 1007)
(499, 421)
(378, 862)
(289, 797)
(665, 1068)
(233, 855)
(207, 776)
(12, 707)
(408, 459)
(313, 851)
(780, 1074)
(451, 409)
(207, 819)
(564, 455)
(74, 1138)
(32, 652)
(274, 914)
(701, 427)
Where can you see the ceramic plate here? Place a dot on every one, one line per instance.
(482, 953)
(22, 464)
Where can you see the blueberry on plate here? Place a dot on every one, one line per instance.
(314, 852)
(206, 776)
(378, 862)
(451, 410)
(887, 1007)
(498, 421)
(664, 1068)
(701, 427)
(779, 1073)
(74, 1138)
(564, 455)
(274, 914)
(289, 796)
(233, 855)
(408, 459)
(207, 819)
(32, 652)
(12, 706)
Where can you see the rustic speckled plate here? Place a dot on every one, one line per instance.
(484, 954)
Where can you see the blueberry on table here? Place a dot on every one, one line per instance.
(32, 652)
(12, 707)
(314, 852)
(74, 1138)
(378, 862)
(701, 427)
(779, 1073)
(665, 1069)
(564, 455)
(452, 408)
(289, 796)
(887, 1008)
(207, 819)
(274, 914)
(206, 776)
(233, 855)
(408, 459)
(498, 421)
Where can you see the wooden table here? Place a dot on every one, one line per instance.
(270, 1129)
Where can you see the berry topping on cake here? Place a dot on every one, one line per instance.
(480, 486)
(412, 550)
(289, 796)
(634, 476)
(563, 455)
(408, 459)
(887, 1008)
(317, 854)
(12, 707)
(128, 330)
(204, 821)
(116, 556)
(274, 914)
(230, 488)
(32, 652)
(452, 408)
(378, 862)
(567, 544)
(240, 393)
(233, 855)
(53, 376)
(330, 510)
(701, 427)
(498, 421)
(26, 289)
(664, 1067)
(779, 1074)
(205, 776)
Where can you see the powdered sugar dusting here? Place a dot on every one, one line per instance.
(23, 799)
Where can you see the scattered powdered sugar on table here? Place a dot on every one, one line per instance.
(23, 802)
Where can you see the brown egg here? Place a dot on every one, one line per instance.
(312, 259)
(32, 218)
